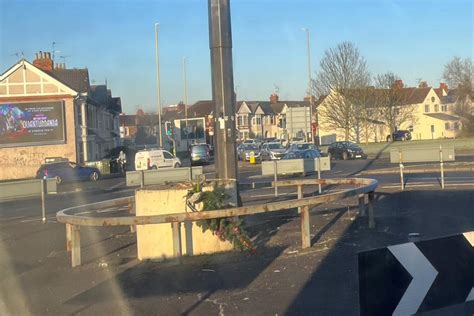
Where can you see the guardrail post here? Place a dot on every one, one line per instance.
(176, 227)
(362, 205)
(319, 174)
(68, 237)
(131, 210)
(371, 209)
(305, 225)
(142, 179)
(441, 164)
(300, 195)
(43, 198)
(400, 157)
(75, 246)
(275, 177)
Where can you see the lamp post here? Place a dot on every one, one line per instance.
(185, 83)
(158, 89)
(308, 47)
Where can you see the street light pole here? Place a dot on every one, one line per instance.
(158, 89)
(308, 47)
(185, 102)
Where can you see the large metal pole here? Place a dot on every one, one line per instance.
(158, 89)
(308, 47)
(220, 37)
(185, 103)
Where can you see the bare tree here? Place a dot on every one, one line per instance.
(459, 73)
(342, 69)
(391, 105)
(365, 113)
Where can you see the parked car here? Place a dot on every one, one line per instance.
(66, 171)
(200, 153)
(154, 159)
(244, 151)
(302, 154)
(401, 135)
(272, 151)
(345, 150)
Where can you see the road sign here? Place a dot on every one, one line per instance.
(417, 277)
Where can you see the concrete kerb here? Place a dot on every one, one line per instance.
(73, 220)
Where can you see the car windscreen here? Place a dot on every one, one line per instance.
(199, 149)
(250, 147)
(275, 146)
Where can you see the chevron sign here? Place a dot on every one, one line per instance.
(417, 277)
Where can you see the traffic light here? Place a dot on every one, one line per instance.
(168, 128)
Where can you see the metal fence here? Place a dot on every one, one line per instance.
(362, 187)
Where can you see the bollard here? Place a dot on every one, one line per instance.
(176, 231)
(142, 179)
(275, 177)
(319, 175)
(371, 209)
(305, 228)
(43, 198)
(362, 205)
(300, 195)
(402, 182)
(441, 165)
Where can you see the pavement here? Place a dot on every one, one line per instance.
(279, 279)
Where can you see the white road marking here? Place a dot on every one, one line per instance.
(470, 237)
(11, 218)
(470, 297)
(423, 273)
(270, 195)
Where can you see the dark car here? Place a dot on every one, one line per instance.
(345, 150)
(67, 171)
(302, 154)
(200, 153)
(400, 136)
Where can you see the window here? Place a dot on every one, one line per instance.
(427, 108)
(167, 155)
(240, 120)
(432, 99)
(272, 120)
(410, 128)
(258, 119)
(447, 126)
(444, 108)
(436, 108)
(456, 126)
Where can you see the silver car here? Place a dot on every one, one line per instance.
(272, 151)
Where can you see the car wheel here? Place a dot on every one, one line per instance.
(94, 176)
(153, 168)
(176, 165)
(345, 156)
(403, 139)
(59, 180)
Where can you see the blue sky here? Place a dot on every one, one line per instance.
(115, 41)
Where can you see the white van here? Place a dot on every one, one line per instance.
(154, 159)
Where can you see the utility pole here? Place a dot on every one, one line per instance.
(185, 103)
(158, 88)
(220, 37)
(308, 47)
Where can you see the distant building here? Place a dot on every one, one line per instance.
(432, 114)
(47, 110)
(274, 118)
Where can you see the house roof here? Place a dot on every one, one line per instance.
(413, 95)
(127, 120)
(76, 79)
(443, 116)
(201, 108)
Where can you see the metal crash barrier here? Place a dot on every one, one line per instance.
(420, 154)
(73, 222)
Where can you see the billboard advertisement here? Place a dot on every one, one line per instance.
(29, 124)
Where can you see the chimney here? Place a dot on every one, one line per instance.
(274, 98)
(423, 84)
(44, 61)
(443, 86)
(398, 84)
